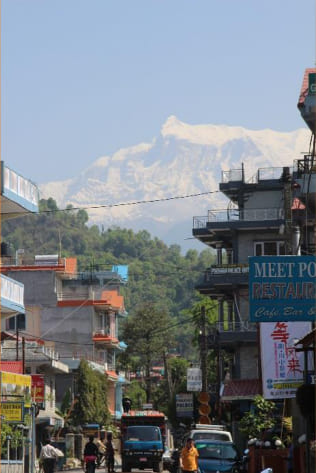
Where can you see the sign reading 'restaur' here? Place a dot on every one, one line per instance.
(282, 288)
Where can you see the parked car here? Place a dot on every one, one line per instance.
(218, 456)
(210, 432)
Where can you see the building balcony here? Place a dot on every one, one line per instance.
(218, 225)
(234, 333)
(230, 334)
(18, 195)
(101, 337)
(234, 181)
(82, 295)
(12, 297)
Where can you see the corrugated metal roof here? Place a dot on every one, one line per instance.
(238, 389)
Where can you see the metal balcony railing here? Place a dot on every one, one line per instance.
(233, 215)
(235, 326)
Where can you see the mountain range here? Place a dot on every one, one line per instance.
(182, 160)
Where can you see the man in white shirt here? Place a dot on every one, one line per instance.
(48, 457)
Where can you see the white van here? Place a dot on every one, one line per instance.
(210, 432)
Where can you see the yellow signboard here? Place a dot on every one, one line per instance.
(16, 387)
(12, 411)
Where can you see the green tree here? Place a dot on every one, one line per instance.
(137, 394)
(262, 417)
(148, 336)
(91, 405)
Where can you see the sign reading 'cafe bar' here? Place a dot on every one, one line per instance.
(282, 288)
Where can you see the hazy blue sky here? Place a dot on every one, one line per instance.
(82, 78)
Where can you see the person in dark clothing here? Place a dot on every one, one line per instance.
(109, 453)
(127, 404)
(90, 454)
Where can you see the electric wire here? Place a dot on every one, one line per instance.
(120, 204)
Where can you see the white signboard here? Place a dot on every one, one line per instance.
(282, 365)
(194, 379)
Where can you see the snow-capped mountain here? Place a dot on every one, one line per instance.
(183, 160)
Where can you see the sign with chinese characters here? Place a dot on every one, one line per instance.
(282, 365)
(282, 288)
(184, 405)
(12, 412)
(194, 379)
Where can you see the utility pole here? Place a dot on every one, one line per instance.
(203, 350)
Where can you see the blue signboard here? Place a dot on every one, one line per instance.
(282, 288)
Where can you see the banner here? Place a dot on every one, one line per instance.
(282, 365)
(282, 288)
(16, 387)
(194, 379)
(38, 388)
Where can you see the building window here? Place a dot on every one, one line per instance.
(269, 248)
(103, 323)
(16, 323)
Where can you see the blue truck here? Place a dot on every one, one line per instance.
(143, 437)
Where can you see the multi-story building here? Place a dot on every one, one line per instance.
(77, 313)
(19, 196)
(43, 365)
(271, 214)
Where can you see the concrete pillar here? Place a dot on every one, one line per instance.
(70, 445)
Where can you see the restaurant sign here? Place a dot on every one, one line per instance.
(282, 288)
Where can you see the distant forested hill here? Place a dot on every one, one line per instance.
(157, 272)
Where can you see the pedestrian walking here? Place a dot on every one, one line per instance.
(109, 453)
(189, 457)
(48, 457)
(90, 454)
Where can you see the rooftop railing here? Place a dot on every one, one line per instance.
(263, 174)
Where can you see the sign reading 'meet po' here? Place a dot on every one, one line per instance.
(282, 288)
